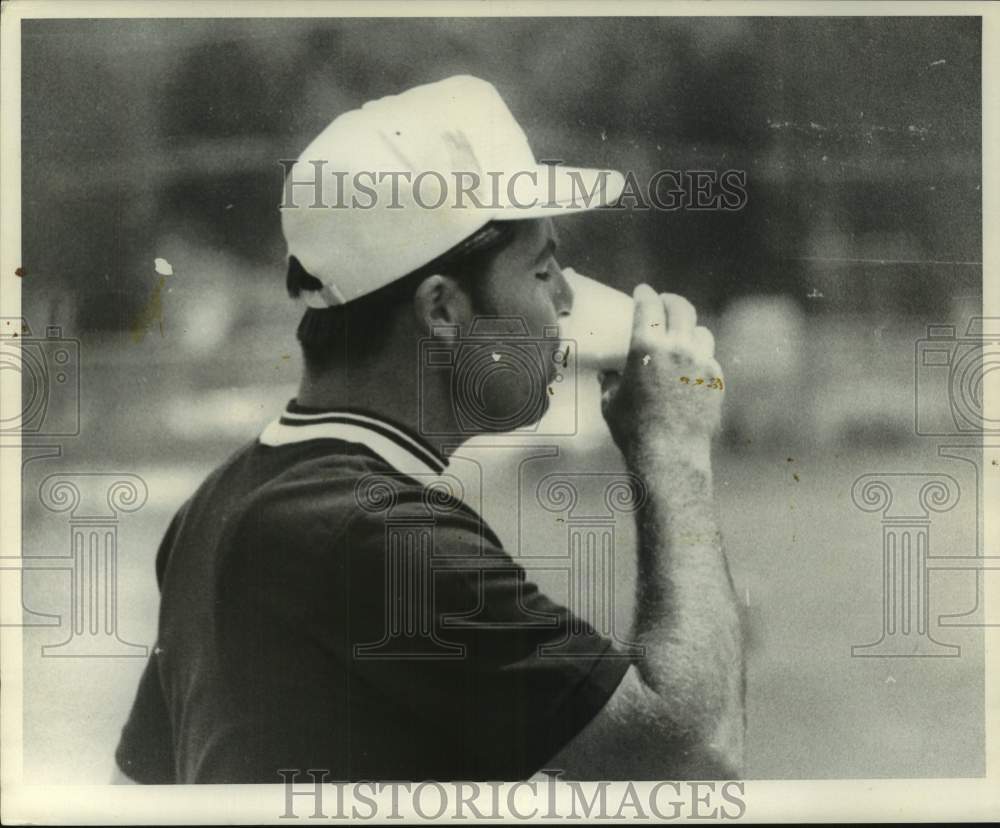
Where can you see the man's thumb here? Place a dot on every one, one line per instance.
(610, 380)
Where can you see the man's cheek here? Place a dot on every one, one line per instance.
(517, 395)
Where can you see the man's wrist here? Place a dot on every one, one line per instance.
(671, 455)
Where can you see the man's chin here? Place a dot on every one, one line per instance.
(512, 422)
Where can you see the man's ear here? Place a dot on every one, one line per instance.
(439, 301)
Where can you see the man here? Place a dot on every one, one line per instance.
(306, 622)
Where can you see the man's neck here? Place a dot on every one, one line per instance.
(388, 388)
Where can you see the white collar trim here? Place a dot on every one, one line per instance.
(393, 445)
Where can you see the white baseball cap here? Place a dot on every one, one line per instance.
(389, 187)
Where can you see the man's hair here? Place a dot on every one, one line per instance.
(360, 326)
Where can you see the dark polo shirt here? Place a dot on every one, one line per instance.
(327, 603)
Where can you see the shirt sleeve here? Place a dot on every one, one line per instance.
(145, 748)
(509, 675)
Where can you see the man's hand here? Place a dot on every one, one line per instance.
(681, 707)
(667, 404)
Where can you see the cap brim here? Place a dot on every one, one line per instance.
(558, 190)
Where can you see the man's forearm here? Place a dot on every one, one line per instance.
(686, 615)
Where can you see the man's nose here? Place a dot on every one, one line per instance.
(563, 298)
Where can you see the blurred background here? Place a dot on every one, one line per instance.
(148, 140)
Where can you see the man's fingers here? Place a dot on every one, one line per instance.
(649, 313)
(704, 342)
(668, 319)
(681, 315)
(714, 370)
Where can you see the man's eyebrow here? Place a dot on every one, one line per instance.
(550, 247)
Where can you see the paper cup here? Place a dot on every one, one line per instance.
(599, 329)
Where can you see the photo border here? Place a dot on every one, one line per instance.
(773, 801)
